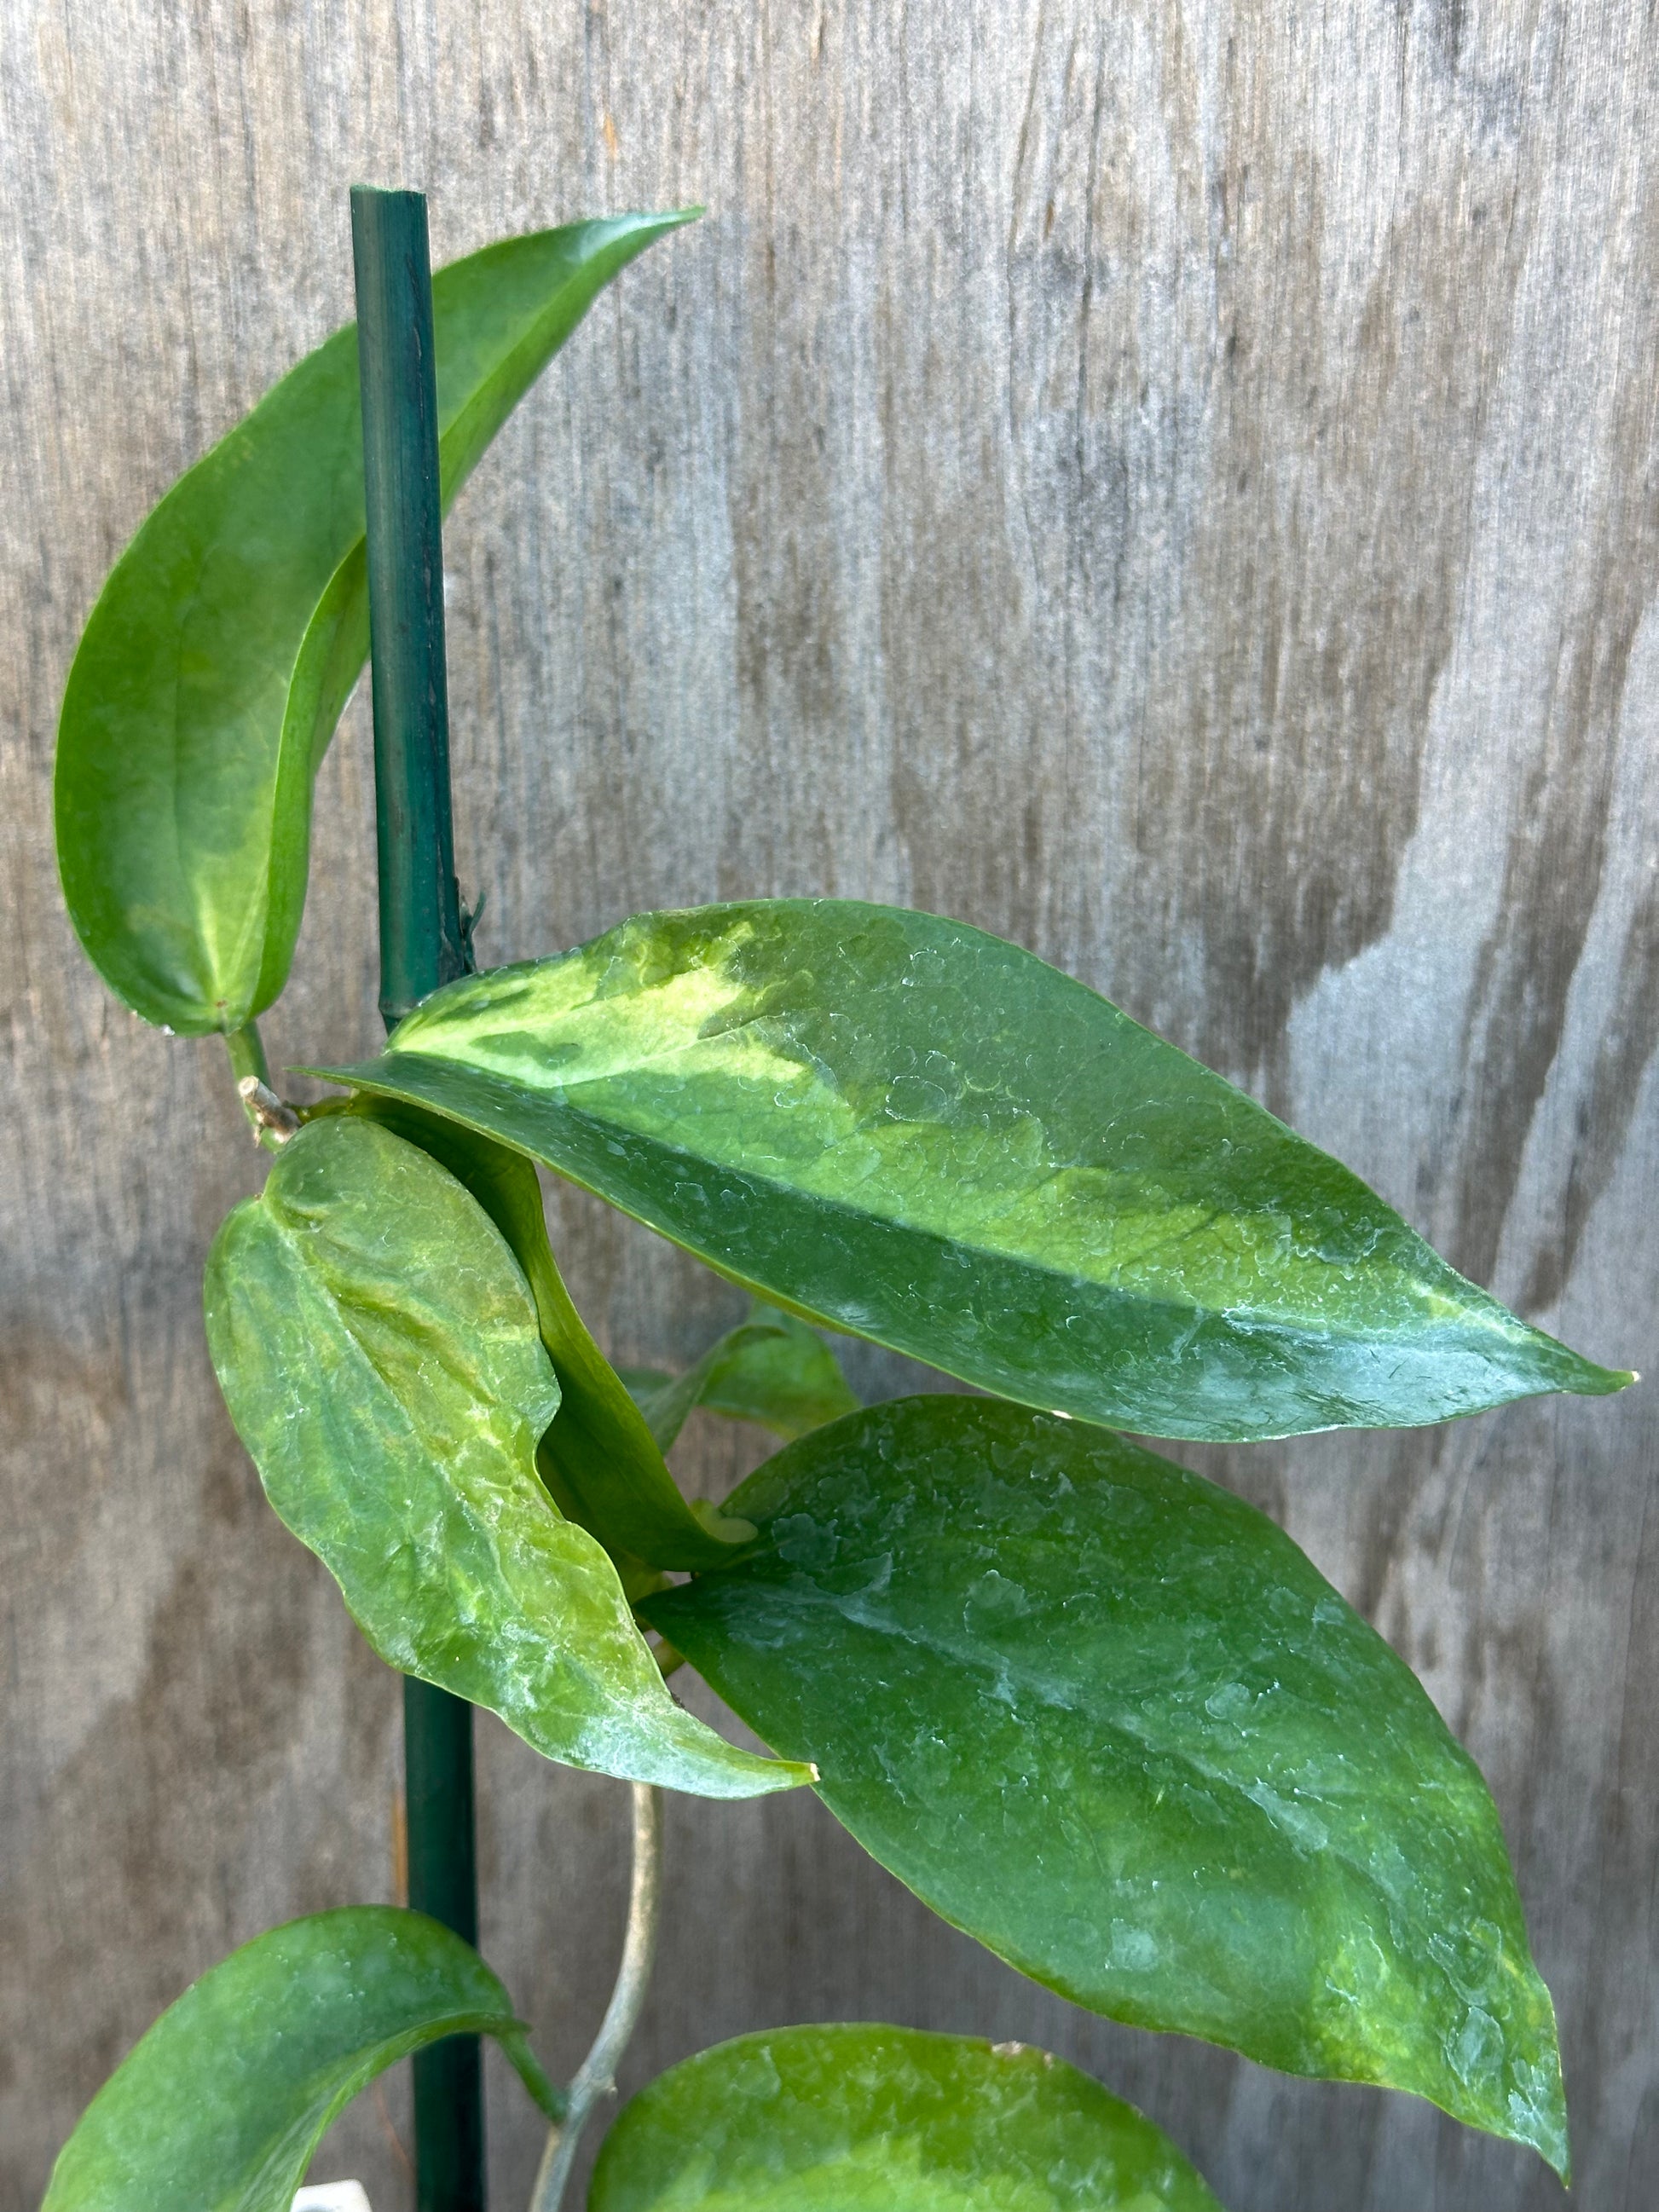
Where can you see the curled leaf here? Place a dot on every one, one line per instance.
(378, 1347)
(225, 642)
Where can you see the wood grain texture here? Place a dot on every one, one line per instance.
(1175, 485)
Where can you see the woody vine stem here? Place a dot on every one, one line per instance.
(597, 2077)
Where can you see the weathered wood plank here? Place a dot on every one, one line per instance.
(1173, 484)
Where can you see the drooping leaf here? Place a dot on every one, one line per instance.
(225, 644)
(1108, 1719)
(885, 2119)
(377, 1345)
(920, 1134)
(598, 1458)
(771, 1369)
(219, 2107)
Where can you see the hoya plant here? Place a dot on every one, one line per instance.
(1090, 1707)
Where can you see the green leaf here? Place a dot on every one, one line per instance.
(885, 2119)
(771, 1369)
(598, 1458)
(642, 1384)
(920, 1134)
(1108, 1719)
(220, 2107)
(227, 638)
(377, 1345)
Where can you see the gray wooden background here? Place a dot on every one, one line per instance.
(1174, 483)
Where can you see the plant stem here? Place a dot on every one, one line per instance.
(247, 1058)
(247, 1053)
(421, 946)
(597, 2077)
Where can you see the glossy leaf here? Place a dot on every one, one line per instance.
(885, 2119)
(225, 644)
(598, 1458)
(220, 2107)
(1108, 1719)
(771, 1369)
(920, 1134)
(377, 1345)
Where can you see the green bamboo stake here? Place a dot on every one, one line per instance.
(421, 946)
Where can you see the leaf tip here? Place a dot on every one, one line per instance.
(1556, 2152)
(1606, 1381)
